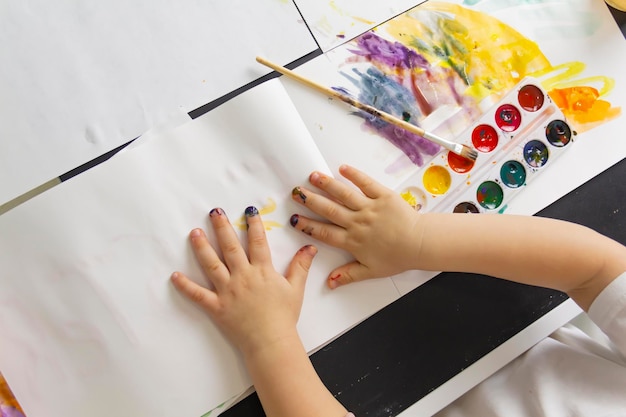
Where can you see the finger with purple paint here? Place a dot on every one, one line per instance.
(386, 236)
(373, 224)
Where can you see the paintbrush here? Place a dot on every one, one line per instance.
(458, 148)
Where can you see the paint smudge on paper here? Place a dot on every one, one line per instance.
(441, 54)
(386, 94)
(583, 106)
(9, 407)
(270, 207)
(218, 409)
(341, 12)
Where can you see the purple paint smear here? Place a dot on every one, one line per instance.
(9, 411)
(387, 95)
(402, 82)
(374, 48)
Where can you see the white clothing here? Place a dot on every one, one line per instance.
(567, 374)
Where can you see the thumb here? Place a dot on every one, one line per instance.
(350, 272)
(299, 266)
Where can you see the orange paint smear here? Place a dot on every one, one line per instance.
(582, 104)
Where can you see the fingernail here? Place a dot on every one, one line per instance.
(175, 276)
(195, 233)
(298, 192)
(293, 220)
(332, 281)
(312, 250)
(216, 212)
(315, 177)
(251, 211)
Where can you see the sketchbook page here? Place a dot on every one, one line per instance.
(91, 324)
(336, 21)
(575, 49)
(86, 77)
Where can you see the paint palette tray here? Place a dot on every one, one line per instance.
(516, 139)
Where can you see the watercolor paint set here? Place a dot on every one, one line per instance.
(516, 140)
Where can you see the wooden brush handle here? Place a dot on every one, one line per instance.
(346, 99)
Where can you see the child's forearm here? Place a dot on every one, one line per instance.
(525, 249)
(287, 383)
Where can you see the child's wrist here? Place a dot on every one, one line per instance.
(415, 241)
(257, 347)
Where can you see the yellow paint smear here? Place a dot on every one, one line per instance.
(409, 198)
(270, 207)
(342, 12)
(492, 57)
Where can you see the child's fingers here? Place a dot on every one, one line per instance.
(323, 206)
(348, 273)
(227, 240)
(205, 298)
(299, 266)
(341, 192)
(258, 249)
(366, 184)
(208, 259)
(324, 232)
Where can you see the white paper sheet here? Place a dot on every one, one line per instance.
(333, 22)
(584, 31)
(81, 78)
(90, 323)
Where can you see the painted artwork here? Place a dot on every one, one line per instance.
(443, 55)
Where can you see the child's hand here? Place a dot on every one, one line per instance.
(377, 226)
(251, 303)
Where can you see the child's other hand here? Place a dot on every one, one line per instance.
(251, 303)
(377, 226)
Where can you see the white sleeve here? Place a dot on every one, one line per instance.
(608, 311)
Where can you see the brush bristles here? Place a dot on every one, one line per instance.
(469, 153)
